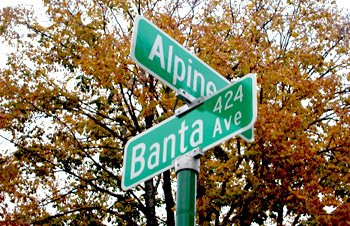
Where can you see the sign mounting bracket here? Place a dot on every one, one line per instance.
(190, 101)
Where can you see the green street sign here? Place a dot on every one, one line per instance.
(227, 113)
(166, 59)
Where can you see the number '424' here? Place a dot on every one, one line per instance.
(228, 100)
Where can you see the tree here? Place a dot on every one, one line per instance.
(71, 97)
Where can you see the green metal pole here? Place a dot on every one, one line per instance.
(187, 168)
(186, 198)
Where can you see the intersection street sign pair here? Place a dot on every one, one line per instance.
(225, 114)
(229, 109)
(166, 59)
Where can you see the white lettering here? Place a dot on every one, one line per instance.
(239, 94)
(195, 81)
(165, 146)
(137, 159)
(153, 156)
(158, 44)
(176, 75)
(182, 136)
(198, 131)
(170, 58)
(218, 105)
(227, 105)
(217, 127)
(227, 123)
(211, 88)
(189, 74)
(238, 116)
(177, 65)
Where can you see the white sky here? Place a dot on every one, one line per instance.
(37, 3)
(343, 3)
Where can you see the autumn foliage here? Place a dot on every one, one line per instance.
(71, 97)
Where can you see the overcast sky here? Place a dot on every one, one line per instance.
(37, 3)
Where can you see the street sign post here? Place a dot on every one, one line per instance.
(226, 113)
(187, 169)
(229, 112)
(166, 59)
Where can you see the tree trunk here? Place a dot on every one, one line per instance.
(150, 203)
(280, 216)
(169, 200)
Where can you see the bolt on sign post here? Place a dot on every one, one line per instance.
(166, 59)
